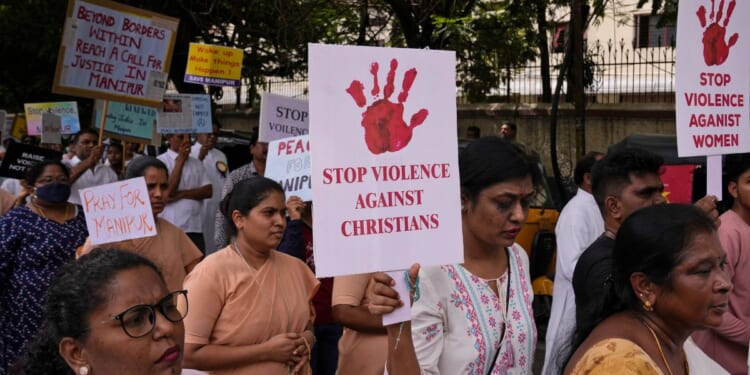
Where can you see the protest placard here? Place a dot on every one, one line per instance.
(18, 131)
(118, 211)
(19, 157)
(288, 162)
(384, 163)
(214, 65)
(282, 117)
(184, 113)
(127, 121)
(712, 78)
(7, 123)
(114, 51)
(51, 127)
(67, 110)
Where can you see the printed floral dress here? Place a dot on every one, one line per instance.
(460, 326)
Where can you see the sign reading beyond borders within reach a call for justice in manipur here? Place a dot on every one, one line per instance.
(118, 211)
(384, 159)
(282, 117)
(713, 78)
(214, 65)
(115, 52)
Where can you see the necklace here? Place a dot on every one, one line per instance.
(661, 352)
(44, 214)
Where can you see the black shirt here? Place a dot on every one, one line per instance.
(593, 269)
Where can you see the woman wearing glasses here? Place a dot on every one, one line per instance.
(109, 312)
(35, 240)
(252, 310)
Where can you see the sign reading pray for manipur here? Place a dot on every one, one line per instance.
(214, 65)
(384, 159)
(114, 51)
(118, 211)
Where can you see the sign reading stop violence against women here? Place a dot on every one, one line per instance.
(282, 117)
(713, 79)
(385, 159)
(118, 211)
(214, 65)
(288, 163)
(114, 51)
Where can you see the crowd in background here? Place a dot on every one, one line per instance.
(227, 286)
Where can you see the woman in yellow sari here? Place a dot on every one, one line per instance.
(251, 310)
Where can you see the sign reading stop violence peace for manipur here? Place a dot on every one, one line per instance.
(114, 51)
(282, 117)
(385, 159)
(713, 78)
(289, 163)
(214, 65)
(118, 211)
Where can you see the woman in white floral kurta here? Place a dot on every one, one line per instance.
(458, 322)
(474, 317)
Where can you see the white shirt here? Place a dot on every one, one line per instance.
(579, 224)
(101, 175)
(185, 213)
(217, 170)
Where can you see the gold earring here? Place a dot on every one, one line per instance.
(648, 306)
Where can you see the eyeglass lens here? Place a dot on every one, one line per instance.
(139, 320)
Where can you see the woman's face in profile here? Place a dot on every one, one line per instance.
(109, 350)
(499, 211)
(697, 292)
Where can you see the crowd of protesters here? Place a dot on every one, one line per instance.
(227, 286)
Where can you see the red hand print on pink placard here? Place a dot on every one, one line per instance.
(385, 129)
(715, 48)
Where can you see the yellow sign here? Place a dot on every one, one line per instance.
(214, 65)
(18, 131)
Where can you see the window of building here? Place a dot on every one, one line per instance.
(648, 34)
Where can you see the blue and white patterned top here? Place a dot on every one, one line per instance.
(32, 249)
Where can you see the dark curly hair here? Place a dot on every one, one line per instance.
(77, 289)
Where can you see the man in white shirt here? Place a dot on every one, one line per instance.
(579, 224)
(215, 163)
(188, 187)
(86, 167)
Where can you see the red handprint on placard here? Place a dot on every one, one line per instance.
(715, 49)
(385, 129)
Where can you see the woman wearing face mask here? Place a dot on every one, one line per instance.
(35, 240)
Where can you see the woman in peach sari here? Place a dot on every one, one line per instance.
(251, 310)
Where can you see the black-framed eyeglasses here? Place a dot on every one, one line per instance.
(139, 320)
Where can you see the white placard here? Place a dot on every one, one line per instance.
(118, 211)
(288, 162)
(385, 159)
(184, 113)
(713, 78)
(51, 128)
(282, 117)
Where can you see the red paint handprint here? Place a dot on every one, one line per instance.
(715, 49)
(385, 129)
